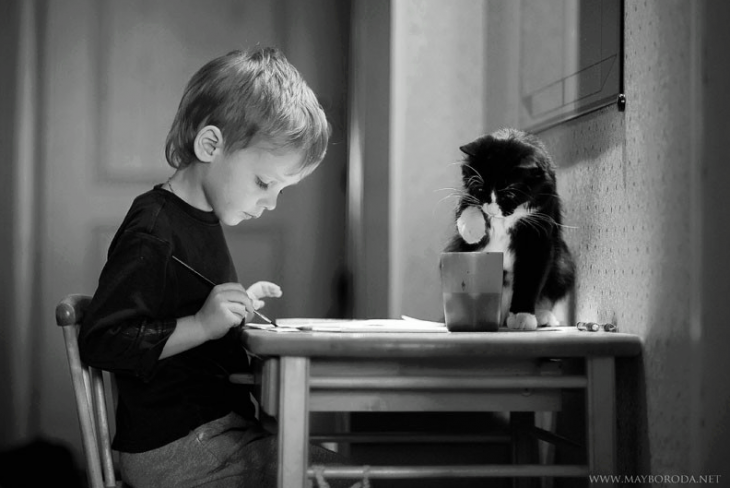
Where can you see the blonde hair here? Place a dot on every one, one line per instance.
(256, 93)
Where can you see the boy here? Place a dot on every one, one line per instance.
(247, 127)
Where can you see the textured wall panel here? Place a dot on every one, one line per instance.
(624, 178)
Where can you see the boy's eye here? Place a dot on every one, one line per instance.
(260, 183)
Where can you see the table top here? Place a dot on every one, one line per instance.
(562, 343)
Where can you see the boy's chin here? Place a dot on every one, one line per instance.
(235, 219)
(231, 220)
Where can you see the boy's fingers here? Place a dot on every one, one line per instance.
(262, 289)
(248, 302)
(271, 289)
(230, 286)
(234, 295)
(238, 310)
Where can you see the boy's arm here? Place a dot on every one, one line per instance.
(117, 333)
(226, 306)
(187, 334)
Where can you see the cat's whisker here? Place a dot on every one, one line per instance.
(535, 223)
(539, 219)
(473, 180)
(548, 218)
(470, 203)
(526, 222)
(458, 193)
(476, 173)
(514, 190)
(453, 195)
(466, 194)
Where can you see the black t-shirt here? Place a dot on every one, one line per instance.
(141, 293)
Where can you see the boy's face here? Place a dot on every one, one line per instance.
(241, 185)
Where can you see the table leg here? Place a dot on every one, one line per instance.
(524, 445)
(293, 421)
(601, 418)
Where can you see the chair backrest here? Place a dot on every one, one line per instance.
(91, 404)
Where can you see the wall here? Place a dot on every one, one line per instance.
(624, 178)
(438, 88)
(711, 334)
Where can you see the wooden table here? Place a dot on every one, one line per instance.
(506, 371)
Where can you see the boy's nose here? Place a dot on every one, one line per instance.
(269, 202)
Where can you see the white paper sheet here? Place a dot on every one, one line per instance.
(407, 324)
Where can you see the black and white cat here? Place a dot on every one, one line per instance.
(509, 203)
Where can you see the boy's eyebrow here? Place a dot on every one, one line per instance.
(275, 176)
(272, 176)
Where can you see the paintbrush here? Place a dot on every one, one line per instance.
(196, 273)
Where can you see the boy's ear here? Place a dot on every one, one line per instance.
(207, 142)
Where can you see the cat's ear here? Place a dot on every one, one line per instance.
(469, 149)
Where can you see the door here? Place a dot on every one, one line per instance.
(112, 74)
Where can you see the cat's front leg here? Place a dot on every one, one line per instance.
(521, 321)
(530, 271)
(544, 314)
(471, 225)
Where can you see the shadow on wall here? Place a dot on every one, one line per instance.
(40, 463)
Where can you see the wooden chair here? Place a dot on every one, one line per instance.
(91, 398)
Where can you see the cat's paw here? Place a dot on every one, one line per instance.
(546, 317)
(471, 225)
(521, 321)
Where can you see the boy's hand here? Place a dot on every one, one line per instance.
(262, 289)
(225, 307)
